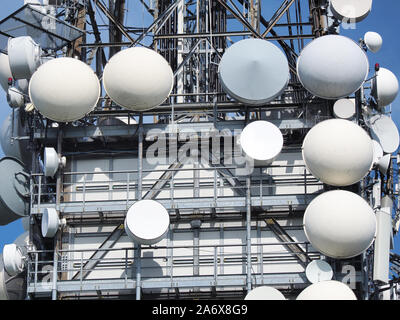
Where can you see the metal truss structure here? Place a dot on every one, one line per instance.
(229, 232)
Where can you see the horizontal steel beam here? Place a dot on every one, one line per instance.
(230, 34)
(176, 282)
(130, 130)
(299, 200)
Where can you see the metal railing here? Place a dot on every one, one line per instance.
(199, 183)
(158, 270)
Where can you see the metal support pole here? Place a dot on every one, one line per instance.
(140, 179)
(59, 173)
(54, 287)
(248, 230)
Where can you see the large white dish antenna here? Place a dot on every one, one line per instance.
(385, 131)
(261, 141)
(64, 89)
(373, 41)
(340, 224)
(344, 108)
(338, 152)
(319, 270)
(265, 293)
(385, 87)
(351, 11)
(147, 222)
(5, 72)
(24, 56)
(327, 290)
(332, 67)
(138, 78)
(254, 71)
(13, 259)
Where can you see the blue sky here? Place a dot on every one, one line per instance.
(383, 19)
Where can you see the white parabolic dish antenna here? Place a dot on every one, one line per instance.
(254, 71)
(14, 190)
(339, 224)
(24, 56)
(13, 259)
(344, 108)
(385, 87)
(327, 290)
(384, 163)
(319, 270)
(138, 78)
(373, 41)
(351, 10)
(378, 151)
(64, 89)
(385, 131)
(11, 288)
(12, 127)
(147, 222)
(50, 222)
(5, 71)
(338, 152)
(265, 293)
(332, 67)
(261, 141)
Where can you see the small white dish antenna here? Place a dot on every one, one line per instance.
(351, 11)
(319, 270)
(147, 222)
(51, 222)
(384, 163)
(385, 87)
(265, 293)
(15, 98)
(24, 56)
(385, 131)
(5, 72)
(13, 259)
(378, 151)
(373, 41)
(344, 108)
(52, 162)
(261, 141)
